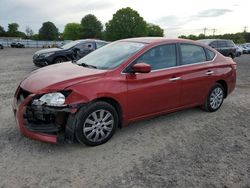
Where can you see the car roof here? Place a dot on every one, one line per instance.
(151, 40)
(91, 40)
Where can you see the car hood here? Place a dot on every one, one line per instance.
(48, 50)
(59, 77)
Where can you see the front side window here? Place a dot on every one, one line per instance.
(85, 46)
(213, 44)
(160, 57)
(191, 54)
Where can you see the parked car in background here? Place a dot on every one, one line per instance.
(225, 47)
(71, 51)
(17, 45)
(239, 50)
(122, 82)
(1, 46)
(246, 49)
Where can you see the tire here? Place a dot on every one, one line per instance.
(96, 123)
(215, 98)
(59, 60)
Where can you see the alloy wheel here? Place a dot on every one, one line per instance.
(216, 98)
(98, 125)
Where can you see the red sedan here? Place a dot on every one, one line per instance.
(125, 81)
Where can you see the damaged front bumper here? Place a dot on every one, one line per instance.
(43, 123)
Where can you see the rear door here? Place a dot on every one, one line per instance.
(196, 74)
(159, 90)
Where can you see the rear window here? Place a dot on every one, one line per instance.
(210, 55)
(230, 43)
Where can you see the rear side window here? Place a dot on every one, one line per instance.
(210, 55)
(222, 44)
(191, 54)
(160, 57)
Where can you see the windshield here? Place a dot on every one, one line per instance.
(69, 45)
(111, 55)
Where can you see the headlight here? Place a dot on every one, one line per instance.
(46, 54)
(51, 99)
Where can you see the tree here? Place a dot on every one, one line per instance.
(126, 23)
(48, 31)
(154, 30)
(72, 31)
(2, 31)
(13, 28)
(29, 32)
(91, 27)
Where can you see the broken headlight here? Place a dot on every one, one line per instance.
(51, 99)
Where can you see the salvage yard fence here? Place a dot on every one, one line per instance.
(33, 43)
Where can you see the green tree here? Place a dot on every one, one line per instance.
(2, 32)
(126, 23)
(154, 30)
(13, 28)
(48, 31)
(72, 31)
(91, 27)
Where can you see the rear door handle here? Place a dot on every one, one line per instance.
(209, 72)
(175, 79)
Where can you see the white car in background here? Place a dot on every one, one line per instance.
(239, 50)
(246, 48)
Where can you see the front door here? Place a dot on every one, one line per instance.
(159, 90)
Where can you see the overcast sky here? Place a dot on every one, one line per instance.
(176, 17)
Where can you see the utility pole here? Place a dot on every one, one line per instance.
(205, 30)
(245, 28)
(214, 30)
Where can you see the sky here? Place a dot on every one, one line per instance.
(176, 17)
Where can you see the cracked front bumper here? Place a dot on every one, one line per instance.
(43, 123)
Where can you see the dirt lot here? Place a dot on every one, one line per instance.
(191, 148)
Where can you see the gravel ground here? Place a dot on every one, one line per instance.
(191, 148)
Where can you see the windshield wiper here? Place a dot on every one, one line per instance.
(86, 65)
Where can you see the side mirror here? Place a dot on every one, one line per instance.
(141, 68)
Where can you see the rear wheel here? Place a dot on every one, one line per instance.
(96, 123)
(215, 98)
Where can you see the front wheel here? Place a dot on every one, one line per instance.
(215, 98)
(96, 123)
(59, 60)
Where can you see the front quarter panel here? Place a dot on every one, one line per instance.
(110, 86)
